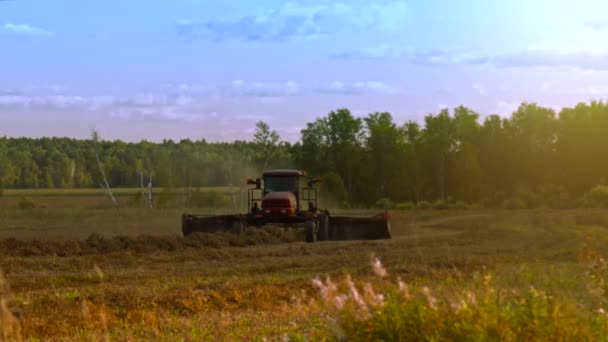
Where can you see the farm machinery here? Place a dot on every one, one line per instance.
(289, 198)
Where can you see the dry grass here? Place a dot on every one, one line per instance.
(146, 289)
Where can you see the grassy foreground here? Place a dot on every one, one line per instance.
(446, 275)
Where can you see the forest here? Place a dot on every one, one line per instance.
(534, 157)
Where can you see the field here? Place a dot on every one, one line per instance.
(75, 269)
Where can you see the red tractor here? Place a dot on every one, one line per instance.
(289, 197)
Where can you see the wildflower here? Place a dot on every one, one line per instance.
(404, 289)
(459, 306)
(354, 293)
(432, 301)
(339, 301)
(378, 268)
(325, 289)
(376, 299)
(316, 282)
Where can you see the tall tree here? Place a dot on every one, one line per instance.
(439, 142)
(384, 144)
(267, 144)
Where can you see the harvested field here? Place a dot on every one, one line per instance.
(136, 278)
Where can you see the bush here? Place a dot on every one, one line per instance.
(475, 206)
(459, 205)
(406, 206)
(494, 201)
(597, 197)
(423, 205)
(440, 205)
(513, 204)
(385, 203)
(555, 196)
(25, 204)
(531, 199)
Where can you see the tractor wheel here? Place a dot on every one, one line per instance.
(311, 231)
(323, 227)
(238, 227)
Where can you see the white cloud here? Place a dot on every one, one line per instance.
(25, 29)
(171, 113)
(530, 58)
(357, 88)
(55, 101)
(177, 102)
(262, 89)
(374, 52)
(295, 21)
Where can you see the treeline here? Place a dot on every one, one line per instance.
(70, 163)
(535, 155)
(532, 155)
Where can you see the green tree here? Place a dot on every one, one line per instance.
(267, 144)
(384, 147)
(439, 143)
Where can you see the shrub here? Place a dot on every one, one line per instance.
(406, 206)
(423, 205)
(459, 205)
(555, 196)
(385, 203)
(597, 197)
(531, 199)
(25, 204)
(513, 204)
(495, 200)
(475, 206)
(440, 205)
(487, 202)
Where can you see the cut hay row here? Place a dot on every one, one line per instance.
(98, 244)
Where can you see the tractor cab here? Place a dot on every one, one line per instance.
(282, 193)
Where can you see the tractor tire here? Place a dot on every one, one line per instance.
(310, 229)
(238, 227)
(323, 234)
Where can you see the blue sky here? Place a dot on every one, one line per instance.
(210, 69)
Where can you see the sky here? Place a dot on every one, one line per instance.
(207, 69)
